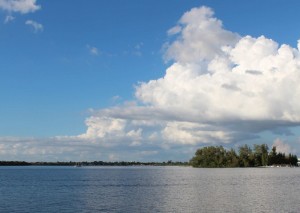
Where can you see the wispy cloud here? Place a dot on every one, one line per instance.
(19, 6)
(138, 49)
(8, 19)
(93, 50)
(174, 30)
(37, 27)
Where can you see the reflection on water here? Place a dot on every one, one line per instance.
(148, 189)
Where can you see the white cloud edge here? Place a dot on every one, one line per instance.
(37, 27)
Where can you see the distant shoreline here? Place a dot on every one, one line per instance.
(121, 164)
(94, 163)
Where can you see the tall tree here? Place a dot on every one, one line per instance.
(260, 155)
(246, 156)
(232, 159)
(273, 156)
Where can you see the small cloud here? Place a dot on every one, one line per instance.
(113, 157)
(154, 152)
(36, 26)
(282, 147)
(19, 6)
(8, 19)
(92, 50)
(137, 53)
(139, 46)
(137, 49)
(115, 99)
(135, 143)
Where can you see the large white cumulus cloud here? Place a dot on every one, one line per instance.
(252, 80)
(220, 88)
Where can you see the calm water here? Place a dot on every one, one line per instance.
(148, 189)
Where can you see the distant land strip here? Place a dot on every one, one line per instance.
(206, 157)
(93, 163)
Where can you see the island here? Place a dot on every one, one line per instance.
(219, 157)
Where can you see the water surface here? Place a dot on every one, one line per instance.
(149, 189)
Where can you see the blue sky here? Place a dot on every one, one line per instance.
(67, 64)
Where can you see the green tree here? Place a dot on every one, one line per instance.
(260, 155)
(292, 160)
(246, 156)
(210, 156)
(265, 156)
(273, 156)
(232, 159)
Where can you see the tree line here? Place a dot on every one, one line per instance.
(93, 163)
(218, 157)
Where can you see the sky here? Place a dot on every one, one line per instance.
(141, 80)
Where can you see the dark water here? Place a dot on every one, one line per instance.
(148, 189)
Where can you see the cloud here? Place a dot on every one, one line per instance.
(19, 6)
(92, 50)
(174, 30)
(193, 133)
(282, 147)
(37, 27)
(100, 127)
(200, 37)
(113, 157)
(8, 19)
(42, 149)
(220, 88)
(138, 49)
(71, 149)
(115, 99)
